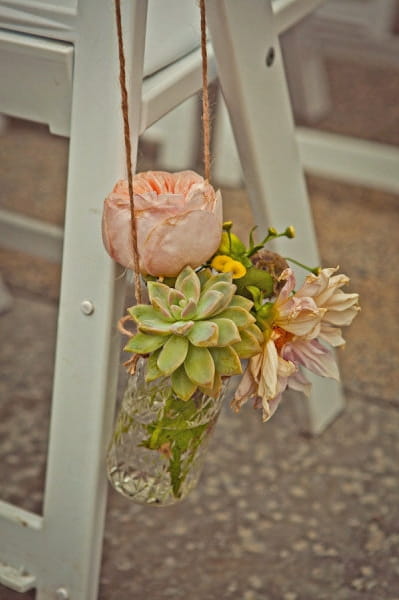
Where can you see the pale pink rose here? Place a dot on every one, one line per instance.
(178, 221)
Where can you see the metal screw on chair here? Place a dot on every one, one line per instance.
(62, 594)
(87, 307)
(270, 56)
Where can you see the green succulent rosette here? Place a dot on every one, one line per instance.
(195, 332)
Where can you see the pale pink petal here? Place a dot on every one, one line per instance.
(269, 407)
(178, 221)
(267, 387)
(299, 316)
(341, 318)
(312, 355)
(246, 389)
(187, 239)
(331, 335)
(288, 276)
(299, 383)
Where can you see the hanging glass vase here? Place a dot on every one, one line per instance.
(158, 445)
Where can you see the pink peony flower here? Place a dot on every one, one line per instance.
(178, 219)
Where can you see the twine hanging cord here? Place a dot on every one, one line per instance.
(206, 128)
(206, 125)
(128, 148)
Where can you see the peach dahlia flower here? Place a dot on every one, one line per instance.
(178, 220)
(316, 310)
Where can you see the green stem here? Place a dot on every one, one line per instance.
(314, 270)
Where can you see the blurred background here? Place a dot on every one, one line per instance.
(278, 514)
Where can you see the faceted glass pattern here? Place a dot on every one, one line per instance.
(158, 445)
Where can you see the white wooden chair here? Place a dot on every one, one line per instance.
(58, 65)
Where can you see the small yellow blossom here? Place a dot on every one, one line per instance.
(222, 263)
(226, 264)
(238, 269)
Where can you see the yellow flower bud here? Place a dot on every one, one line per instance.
(290, 232)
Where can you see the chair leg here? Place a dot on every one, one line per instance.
(252, 78)
(85, 382)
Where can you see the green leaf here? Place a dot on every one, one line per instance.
(159, 297)
(204, 333)
(141, 343)
(181, 327)
(189, 311)
(144, 312)
(226, 361)
(215, 390)
(228, 291)
(174, 297)
(190, 286)
(172, 354)
(231, 244)
(176, 311)
(182, 385)
(248, 346)
(258, 278)
(204, 275)
(256, 294)
(199, 366)
(218, 278)
(241, 301)
(256, 332)
(228, 332)
(208, 303)
(152, 371)
(240, 316)
(186, 272)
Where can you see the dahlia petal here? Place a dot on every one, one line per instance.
(312, 355)
(331, 335)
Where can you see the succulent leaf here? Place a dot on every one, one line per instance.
(255, 331)
(176, 311)
(172, 354)
(196, 332)
(218, 278)
(248, 345)
(153, 371)
(226, 361)
(240, 316)
(159, 297)
(182, 385)
(228, 332)
(199, 366)
(215, 390)
(242, 302)
(181, 327)
(190, 286)
(143, 312)
(141, 343)
(208, 304)
(189, 311)
(204, 333)
(227, 290)
(175, 296)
